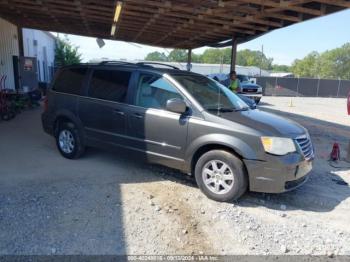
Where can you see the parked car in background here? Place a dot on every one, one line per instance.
(178, 119)
(250, 102)
(247, 88)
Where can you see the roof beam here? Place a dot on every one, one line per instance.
(283, 4)
(153, 19)
(168, 23)
(341, 3)
(206, 14)
(82, 15)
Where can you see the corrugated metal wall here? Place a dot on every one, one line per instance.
(8, 48)
(41, 45)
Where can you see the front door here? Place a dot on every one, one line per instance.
(103, 110)
(152, 129)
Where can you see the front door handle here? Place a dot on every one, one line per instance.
(137, 115)
(118, 112)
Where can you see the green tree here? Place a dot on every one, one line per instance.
(248, 57)
(280, 68)
(335, 63)
(196, 58)
(309, 66)
(178, 55)
(66, 53)
(216, 56)
(244, 57)
(156, 56)
(331, 64)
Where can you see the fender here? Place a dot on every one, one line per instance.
(240, 147)
(72, 117)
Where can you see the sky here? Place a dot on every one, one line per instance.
(283, 45)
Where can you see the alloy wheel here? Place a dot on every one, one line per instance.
(217, 177)
(66, 141)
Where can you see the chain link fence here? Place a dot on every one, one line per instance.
(309, 87)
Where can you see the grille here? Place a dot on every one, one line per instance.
(249, 90)
(305, 146)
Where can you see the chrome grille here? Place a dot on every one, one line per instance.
(306, 147)
(250, 90)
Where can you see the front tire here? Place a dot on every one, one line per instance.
(68, 141)
(221, 176)
(257, 100)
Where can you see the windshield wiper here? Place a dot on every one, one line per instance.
(221, 109)
(242, 109)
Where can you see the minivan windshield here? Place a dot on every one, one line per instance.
(210, 94)
(243, 78)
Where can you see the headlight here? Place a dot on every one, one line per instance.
(259, 89)
(278, 145)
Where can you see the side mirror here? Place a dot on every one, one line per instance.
(176, 105)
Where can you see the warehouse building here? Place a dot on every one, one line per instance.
(26, 57)
(40, 44)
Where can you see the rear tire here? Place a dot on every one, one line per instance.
(221, 176)
(68, 141)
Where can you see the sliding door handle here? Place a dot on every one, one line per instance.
(138, 116)
(118, 112)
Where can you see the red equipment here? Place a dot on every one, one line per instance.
(2, 97)
(5, 112)
(335, 154)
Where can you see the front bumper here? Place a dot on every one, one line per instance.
(278, 174)
(252, 95)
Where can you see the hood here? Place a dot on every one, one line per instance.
(267, 123)
(249, 85)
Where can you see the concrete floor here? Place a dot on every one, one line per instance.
(102, 203)
(49, 204)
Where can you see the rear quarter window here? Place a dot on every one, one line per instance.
(70, 81)
(111, 85)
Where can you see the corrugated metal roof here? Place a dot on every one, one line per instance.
(8, 48)
(176, 23)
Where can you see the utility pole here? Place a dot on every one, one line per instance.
(189, 60)
(262, 57)
(233, 53)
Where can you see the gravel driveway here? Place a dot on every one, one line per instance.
(104, 203)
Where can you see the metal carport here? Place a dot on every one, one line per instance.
(183, 24)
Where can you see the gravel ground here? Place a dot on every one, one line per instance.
(104, 203)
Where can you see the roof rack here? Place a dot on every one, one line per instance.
(155, 63)
(115, 62)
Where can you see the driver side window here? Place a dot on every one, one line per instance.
(154, 91)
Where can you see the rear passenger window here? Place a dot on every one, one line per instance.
(109, 85)
(70, 81)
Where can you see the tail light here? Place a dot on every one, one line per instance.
(46, 104)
